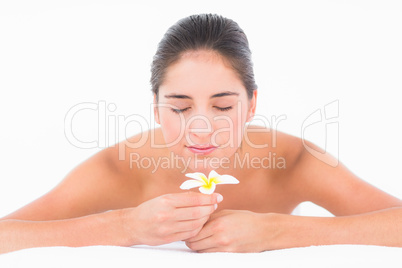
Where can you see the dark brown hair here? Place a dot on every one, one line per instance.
(204, 31)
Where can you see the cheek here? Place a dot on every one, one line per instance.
(172, 128)
(229, 130)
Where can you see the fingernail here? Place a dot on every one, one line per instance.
(219, 198)
(215, 206)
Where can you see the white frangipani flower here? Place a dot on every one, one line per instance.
(207, 185)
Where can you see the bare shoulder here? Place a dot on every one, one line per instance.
(104, 181)
(266, 141)
(145, 144)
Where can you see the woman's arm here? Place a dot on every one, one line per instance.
(383, 228)
(161, 220)
(96, 185)
(96, 204)
(97, 229)
(334, 188)
(366, 215)
(57, 218)
(230, 231)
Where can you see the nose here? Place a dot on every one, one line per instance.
(199, 128)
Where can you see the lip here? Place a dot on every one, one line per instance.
(200, 149)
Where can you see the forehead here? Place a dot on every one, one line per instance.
(201, 72)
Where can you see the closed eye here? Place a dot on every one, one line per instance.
(179, 111)
(223, 109)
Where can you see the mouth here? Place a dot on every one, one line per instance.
(202, 149)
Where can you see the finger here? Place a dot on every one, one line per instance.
(209, 250)
(191, 199)
(200, 245)
(205, 233)
(191, 225)
(191, 213)
(182, 236)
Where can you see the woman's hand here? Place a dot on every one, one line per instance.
(169, 218)
(234, 231)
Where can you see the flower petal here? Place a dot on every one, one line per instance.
(197, 176)
(226, 179)
(188, 184)
(213, 174)
(208, 190)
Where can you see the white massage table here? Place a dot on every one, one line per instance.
(178, 255)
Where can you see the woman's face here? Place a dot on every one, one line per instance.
(202, 109)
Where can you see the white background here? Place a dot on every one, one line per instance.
(307, 54)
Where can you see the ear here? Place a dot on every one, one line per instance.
(156, 110)
(253, 106)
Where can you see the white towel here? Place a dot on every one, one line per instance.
(178, 255)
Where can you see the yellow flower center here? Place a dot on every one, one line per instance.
(208, 182)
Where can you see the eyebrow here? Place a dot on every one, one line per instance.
(222, 94)
(177, 96)
(226, 93)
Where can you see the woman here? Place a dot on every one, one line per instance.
(204, 94)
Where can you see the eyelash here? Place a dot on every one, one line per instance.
(179, 111)
(224, 109)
